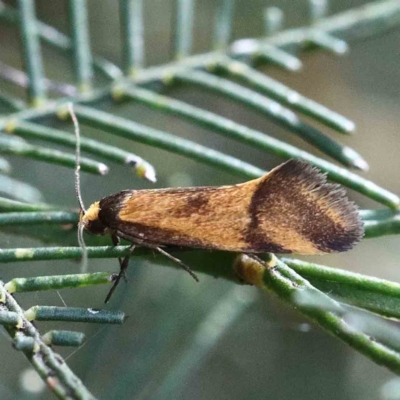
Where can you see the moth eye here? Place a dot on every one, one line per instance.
(96, 227)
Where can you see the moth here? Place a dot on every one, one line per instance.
(291, 209)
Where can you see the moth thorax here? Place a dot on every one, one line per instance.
(91, 220)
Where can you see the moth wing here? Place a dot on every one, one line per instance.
(292, 209)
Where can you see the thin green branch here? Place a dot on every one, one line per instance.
(223, 24)
(35, 131)
(50, 156)
(11, 139)
(182, 28)
(216, 264)
(55, 282)
(380, 329)
(384, 213)
(370, 19)
(274, 111)
(383, 227)
(70, 314)
(257, 139)
(318, 9)
(289, 284)
(366, 21)
(272, 54)
(380, 222)
(81, 44)
(370, 293)
(38, 217)
(60, 253)
(153, 137)
(95, 147)
(31, 52)
(21, 79)
(327, 42)
(320, 308)
(359, 340)
(60, 41)
(377, 295)
(273, 20)
(284, 94)
(63, 338)
(25, 344)
(10, 318)
(50, 366)
(7, 205)
(132, 32)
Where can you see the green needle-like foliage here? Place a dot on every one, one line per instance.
(351, 306)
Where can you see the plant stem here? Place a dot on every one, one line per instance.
(153, 137)
(182, 28)
(132, 32)
(320, 308)
(284, 94)
(33, 218)
(274, 111)
(50, 156)
(49, 365)
(377, 295)
(31, 52)
(81, 44)
(223, 24)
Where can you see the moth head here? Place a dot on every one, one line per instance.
(90, 221)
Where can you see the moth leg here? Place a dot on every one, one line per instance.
(178, 261)
(116, 241)
(154, 246)
(122, 273)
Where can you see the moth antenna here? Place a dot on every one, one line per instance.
(77, 158)
(81, 225)
(83, 247)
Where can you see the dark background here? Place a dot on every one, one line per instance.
(269, 351)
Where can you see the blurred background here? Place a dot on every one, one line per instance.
(213, 339)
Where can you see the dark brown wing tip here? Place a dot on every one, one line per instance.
(345, 228)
